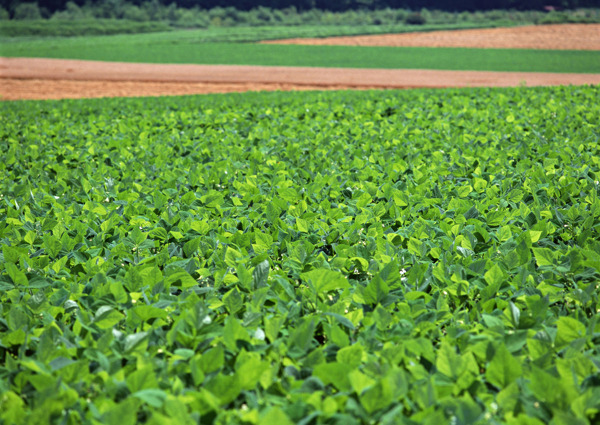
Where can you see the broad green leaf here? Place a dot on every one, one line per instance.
(325, 280)
(351, 355)
(359, 381)
(494, 276)
(334, 373)
(135, 342)
(568, 329)
(503, 369)
(378, 396)
(341, 320)
(233, 301)
(376, 291)
(141, 379)
(151, 396)
(17, 276)
(232, 256)
(547, 388)
(464, 191)
(472, 213)
(107, 317)
(225, 387)
(260, 274)
(122, 413)
(264, 242)
(414, 246)
(275, 416)
(213, 359)
(250, 370)
(52, 245)
(233, 332)
(176, 276)
(147, 312)
(13, 408)
(12, 254)
(301, 338)
(544, 256)
(449, 362)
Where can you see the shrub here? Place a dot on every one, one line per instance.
(134, 13)
(554, 18)
(57, 28)
(27, 12)
(415, 18)
(192, 18)
(71, 12)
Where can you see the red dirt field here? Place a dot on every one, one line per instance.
(556, 37)
(40, 89)
(24, 78)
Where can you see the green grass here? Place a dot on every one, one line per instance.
(153, 48)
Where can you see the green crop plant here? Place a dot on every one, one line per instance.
(318, 258)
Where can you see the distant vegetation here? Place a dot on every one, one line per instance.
(52, 6)
(113, 17)
(89, 26)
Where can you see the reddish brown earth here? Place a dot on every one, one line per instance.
(21, 89)
(557, 37)
(24, 78)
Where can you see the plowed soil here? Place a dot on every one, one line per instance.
(556, 37)
(23, 78)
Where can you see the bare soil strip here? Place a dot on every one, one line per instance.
(557, 37)
(38, 89)
(27, 78)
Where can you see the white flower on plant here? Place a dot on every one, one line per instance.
(259, 334)
(402, 272)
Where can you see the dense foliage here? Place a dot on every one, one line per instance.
(450, 5)
(393, 257)
(58, 28)
(31, 17)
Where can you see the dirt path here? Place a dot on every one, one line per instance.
(27, 78)
(558, 37)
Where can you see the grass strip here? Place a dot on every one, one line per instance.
(188, 51)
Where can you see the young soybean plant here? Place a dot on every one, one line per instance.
(317, 258)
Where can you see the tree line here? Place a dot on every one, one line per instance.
(333, 5)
